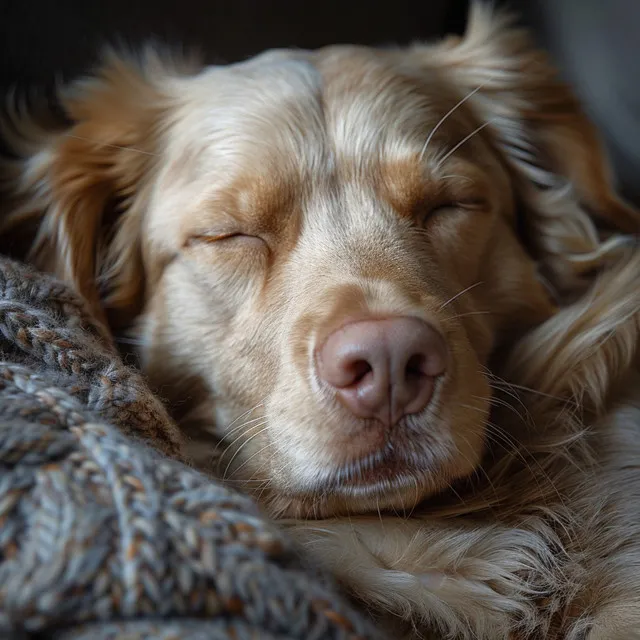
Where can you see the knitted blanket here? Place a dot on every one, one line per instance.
(103, 535)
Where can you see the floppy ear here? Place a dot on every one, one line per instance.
(85, 185)
(562, 177)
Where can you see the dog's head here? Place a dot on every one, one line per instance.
(324, 250)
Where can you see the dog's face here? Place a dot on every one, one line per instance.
(328, 249)
(335, 282)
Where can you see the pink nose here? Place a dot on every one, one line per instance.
(383, 369)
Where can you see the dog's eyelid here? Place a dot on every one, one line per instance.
(208, 238)
(216, 237)
(470, 204)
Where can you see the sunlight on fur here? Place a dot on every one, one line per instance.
(445, 212)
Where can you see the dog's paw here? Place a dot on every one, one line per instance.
(464, 581)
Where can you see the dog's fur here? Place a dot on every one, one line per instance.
(237, 215)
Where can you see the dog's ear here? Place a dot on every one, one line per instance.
(84, 186)
(562, 177)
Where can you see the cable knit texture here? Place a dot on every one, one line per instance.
(104, 534)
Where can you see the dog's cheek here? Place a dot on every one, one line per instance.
(516, 296)
(189, 337)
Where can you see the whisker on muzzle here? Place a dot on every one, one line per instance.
(444, 305)
(241, 447)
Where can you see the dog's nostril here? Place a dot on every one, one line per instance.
(359, 369)
(415, 367)
(383, 368)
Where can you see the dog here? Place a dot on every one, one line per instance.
(391, 293)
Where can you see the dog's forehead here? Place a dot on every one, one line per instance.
(347, 123)
(374, 105)
(310, 108)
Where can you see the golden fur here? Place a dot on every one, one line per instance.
(235, 216)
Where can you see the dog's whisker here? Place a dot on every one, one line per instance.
(460, 293)
(477, 130)
(379, 512)
(417, 498)
(242, 415)
(510, 443)
(248, 460)
(244, 430)
(518, 449)
(238, 429)
(244, 425)
(478, 468)
(501, 381)
(446, 116)
(240, 448)
(498, 384)
(258, 425)
(525, 416)
(500, 402)
(464, 315)
(401, 502)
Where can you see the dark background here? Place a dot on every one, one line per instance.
(40, 38)
(596, 43)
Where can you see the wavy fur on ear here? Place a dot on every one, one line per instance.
(86, 184)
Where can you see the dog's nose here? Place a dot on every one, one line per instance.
(385, 368)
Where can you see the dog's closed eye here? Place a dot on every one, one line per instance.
(229, 253)
(425, 213)
(226, 237)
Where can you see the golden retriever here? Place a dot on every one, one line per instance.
(398, 287)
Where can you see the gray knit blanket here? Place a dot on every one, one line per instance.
(104, 533)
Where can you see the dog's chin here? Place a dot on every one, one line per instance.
(343, 467)
(372, 485)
